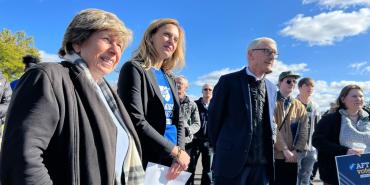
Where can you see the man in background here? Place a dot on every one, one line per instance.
(5, 95)
(307, 165)
(200, 143)
(190, 116)
(28, 62)
(291, 120)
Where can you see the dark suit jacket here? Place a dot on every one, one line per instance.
(141, 96)
(230, 123)
(326, 141)
(58, 130)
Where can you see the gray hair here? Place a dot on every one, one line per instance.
(88, 21)
(258, 41)
(186, 81)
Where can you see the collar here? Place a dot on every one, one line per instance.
(250, 73)
(76, 59)
(362, 113)
(186, 99)
(282, 98)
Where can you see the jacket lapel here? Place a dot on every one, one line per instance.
(100, 119)
(271, 95)
(246, 95)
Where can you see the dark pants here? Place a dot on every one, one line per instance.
(285, 173)
(250, 175)
(194, 149)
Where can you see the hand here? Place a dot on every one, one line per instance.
(290, 156)
(355, 151)
(182, 158)
(174, 171)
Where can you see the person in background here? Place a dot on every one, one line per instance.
(148, 90)
(200, 142)
(337, 132)
(5, 96)
(307, 165)
(240, 124)
(65, 124)
(333, 108)
(28, 62)
(291, 120)
(190, 116)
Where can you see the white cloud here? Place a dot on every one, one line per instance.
(328, 92)
(360, 68)
(328, 28)
(325, 92)
(212, 77)
(338, 3)
(47, 57)
(280, 67)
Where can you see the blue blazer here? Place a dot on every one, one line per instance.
(230, 123)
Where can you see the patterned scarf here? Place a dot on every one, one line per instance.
(132, 166)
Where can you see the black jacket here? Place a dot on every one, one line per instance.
(326, 141)
(142, 97)
(58, 130)
(230, 125)
(203, 116)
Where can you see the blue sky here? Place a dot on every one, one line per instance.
(327, 40)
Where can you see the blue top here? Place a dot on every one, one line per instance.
(168, 102)
(13, 84)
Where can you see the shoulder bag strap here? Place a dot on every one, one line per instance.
(286, 115)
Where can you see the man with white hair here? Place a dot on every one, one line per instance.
(190, 117)
(240, 124)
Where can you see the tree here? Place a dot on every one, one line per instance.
(12, 48)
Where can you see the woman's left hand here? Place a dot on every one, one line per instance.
(355, 151)
(174, 170)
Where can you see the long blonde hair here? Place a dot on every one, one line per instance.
(147, 54)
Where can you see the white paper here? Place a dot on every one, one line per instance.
(155, 174)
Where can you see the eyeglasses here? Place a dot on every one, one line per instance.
(207, 89)
(267, 51)
(291, 81)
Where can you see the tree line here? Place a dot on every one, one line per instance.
(13, 46)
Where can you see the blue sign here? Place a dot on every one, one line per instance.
(353, 169)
